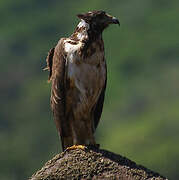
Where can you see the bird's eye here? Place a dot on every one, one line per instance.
(103, 13)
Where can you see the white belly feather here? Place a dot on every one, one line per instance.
(88, 75)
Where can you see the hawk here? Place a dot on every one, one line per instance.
(78, 73)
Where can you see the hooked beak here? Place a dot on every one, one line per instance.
(115, 21)
(112, 20)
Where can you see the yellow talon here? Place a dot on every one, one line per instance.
(76, 147)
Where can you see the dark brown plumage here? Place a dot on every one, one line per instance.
(77, 70)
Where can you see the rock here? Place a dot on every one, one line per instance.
(93, 163)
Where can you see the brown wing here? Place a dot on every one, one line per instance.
(99, 105)
(49, 61)
(58, 78)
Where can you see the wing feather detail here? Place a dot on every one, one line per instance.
(49, 61)
(58, 78)
(99, 105)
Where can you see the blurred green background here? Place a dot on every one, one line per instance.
(141, 111)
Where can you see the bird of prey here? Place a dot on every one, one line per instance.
(78, 73)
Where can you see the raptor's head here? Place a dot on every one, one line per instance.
(98, 20)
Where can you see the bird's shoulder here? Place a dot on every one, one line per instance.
(59, 48)
(66, 46)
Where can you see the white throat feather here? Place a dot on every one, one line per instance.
(85, 27)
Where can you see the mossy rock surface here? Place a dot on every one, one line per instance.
(93, 163)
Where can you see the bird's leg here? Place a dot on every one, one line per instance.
(91, 138)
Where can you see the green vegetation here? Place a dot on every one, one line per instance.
(140, 117)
